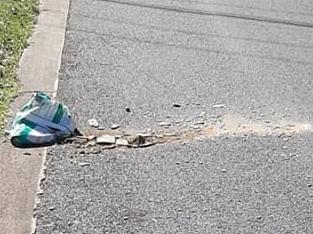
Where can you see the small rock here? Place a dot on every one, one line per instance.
(176, 105)
(93, 123)
(27, 153)
(84, 164)
(106, 139)
(132, 139)
(259, 217)
(126, 218)
(127, 109)
(219, 106)
(224, 170)
(136, 140)
(309, 185)
(115, 126)
(51, 208)
(165, 124)
(200, 122)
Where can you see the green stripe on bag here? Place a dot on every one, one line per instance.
(28, 127)
(58, 115)
(24, 135)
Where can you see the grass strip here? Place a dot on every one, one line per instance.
(17, 18)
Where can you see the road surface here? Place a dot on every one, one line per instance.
(242, 69)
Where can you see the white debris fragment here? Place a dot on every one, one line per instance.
(106, 139)
(165, 124)
(91, 137)
(115, 126)
(195, 127)
(219, 106)
(145, 134)
(122, 142)
(93, 123)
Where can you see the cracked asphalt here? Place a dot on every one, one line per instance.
(128, 62)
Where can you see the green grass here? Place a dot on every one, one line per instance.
(16, 22)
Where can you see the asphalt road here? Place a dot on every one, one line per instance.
(253, 58)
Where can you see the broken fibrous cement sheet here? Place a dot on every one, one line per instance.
(225, 126)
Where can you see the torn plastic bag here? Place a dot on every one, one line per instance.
(41, 122)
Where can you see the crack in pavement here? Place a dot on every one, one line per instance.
(212, 13)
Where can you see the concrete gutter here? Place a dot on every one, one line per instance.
(21, 170)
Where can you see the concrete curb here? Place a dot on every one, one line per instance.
(21, 171)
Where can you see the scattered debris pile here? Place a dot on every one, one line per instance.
(44, 121)
(112, 139)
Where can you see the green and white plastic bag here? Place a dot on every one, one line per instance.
(42, 121)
